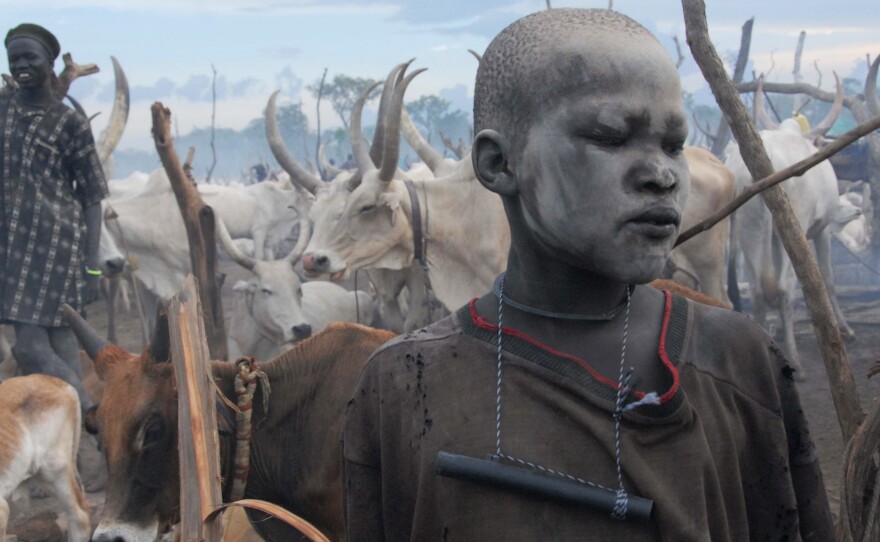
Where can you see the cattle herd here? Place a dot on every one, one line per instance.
(426, 240)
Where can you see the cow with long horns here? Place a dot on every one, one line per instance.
(813, 197)
(295, 447)
(275, 308)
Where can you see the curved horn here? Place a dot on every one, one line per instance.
(301, 242)
(426, 152)
(871, 99)
(79, 108)
(279, 150)
(91, 342)
(361, 156)
(160, 345)
(387, 93)
(328, 167)
(760, 112)
(826, 123)
(118, 115)
(477, 55)
(392, 136)
(226, 242)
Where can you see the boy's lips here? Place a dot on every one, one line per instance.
(657, 222)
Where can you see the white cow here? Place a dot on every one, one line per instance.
(148, 224)
(274, 308)
(814, 200)
(39, 437)
(369, 224)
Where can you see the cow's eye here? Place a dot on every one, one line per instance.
(367, 209)
(267, 291)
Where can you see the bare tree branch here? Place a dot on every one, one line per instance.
(323, 173)
(818, 71)
(213, 118)
(705, 131)
(723, 133)
(772, 63)
(680, 60)
(796, 72)
(199, 221)
(71, 72)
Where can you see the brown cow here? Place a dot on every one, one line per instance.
(295, 451)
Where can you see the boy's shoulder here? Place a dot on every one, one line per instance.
(734, 350)
(434, 337)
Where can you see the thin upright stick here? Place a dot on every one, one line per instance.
(843, 387)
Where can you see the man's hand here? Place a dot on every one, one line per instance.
(93, 286)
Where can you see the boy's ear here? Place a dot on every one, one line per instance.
(489, 154)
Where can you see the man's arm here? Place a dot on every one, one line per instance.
(92, 217)
(91, 188)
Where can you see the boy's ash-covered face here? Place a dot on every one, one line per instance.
(601, 176)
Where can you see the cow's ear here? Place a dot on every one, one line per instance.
(160, 346)
(392, 200)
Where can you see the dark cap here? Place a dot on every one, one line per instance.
(35, 32)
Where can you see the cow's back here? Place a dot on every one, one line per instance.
(296, 460)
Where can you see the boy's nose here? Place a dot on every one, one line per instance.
(656, 178)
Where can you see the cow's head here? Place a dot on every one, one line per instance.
(792, 125)
(274, 294)
(137, 423)
(361, 219)
(111, 258)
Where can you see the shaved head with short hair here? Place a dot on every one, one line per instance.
(514, 70)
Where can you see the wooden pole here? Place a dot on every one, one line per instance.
(199, 221)
(199, 447)
(723, 134)
(843, 387)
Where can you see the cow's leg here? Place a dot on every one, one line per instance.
(786, 315)
(58, 470)
(822, 244)
(260, 248)
(73, 501)
(4, 517)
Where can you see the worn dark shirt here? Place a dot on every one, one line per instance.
(50, 173)
(725, 456)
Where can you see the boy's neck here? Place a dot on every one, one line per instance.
(548, 284)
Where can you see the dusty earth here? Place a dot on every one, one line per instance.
(859, 296)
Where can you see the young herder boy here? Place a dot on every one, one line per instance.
(594, 380)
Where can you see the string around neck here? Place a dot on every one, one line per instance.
(605, 316)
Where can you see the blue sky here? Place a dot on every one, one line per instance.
(167, 47)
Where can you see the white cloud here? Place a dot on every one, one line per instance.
(439, 48)
(227, 7)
